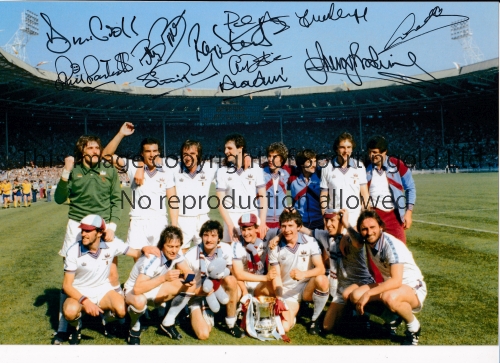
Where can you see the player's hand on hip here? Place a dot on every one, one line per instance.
(127, 129)
(91, 309)
(109, 235)
(69, 163)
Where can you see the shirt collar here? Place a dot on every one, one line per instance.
(301, 239)
(84, 250)
(165, 261)
(350, 164)
(385, 165)
(184, 168)
(378, 245)
(202, 250)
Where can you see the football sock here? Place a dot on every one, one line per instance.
(63, 323)
(319, 299)
(176, 307)
(135, 314)
(75, 323)
(118, 289)
(108, 317)
(230, 322)
(162, 310)
(414, 325)
(388, 316)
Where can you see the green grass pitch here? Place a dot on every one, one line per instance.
(454, 240)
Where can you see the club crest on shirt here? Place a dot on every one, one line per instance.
(250, 178)
(303, 254)
(79, 175)
(107, 255)
(102, 172)
(84, 264)
(181, 179)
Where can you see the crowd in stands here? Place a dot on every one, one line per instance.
(418, 136)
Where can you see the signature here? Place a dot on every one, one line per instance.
(319, 66)
(408, 23)
(114, 31)
(56, 44)
(69, 73)
(260, 80)
(250, 63)
(243, 32)
(306, 23)
(157, 49)
(59, 44)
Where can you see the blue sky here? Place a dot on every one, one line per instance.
(278, 53)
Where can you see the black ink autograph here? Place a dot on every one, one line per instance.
(252, 34)
(163, 36)
(60, 44)
(228, 84)
(305, 22)
(318, 67)
(68, 72)
(250, 63)
(56, 44)
(434, 13)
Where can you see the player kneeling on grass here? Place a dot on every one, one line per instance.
(346, 272)
(201, 317)
(155, 280)
(250, 256)
(300, 272)
(86, 277)
(403, 290)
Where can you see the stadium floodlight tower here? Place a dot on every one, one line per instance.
(460, 31)
(28, 28)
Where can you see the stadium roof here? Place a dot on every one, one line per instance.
(28, 90)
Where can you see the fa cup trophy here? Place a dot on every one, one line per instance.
(264, 315)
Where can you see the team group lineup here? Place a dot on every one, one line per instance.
(340, 234)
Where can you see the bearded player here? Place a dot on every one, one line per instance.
(403, 290)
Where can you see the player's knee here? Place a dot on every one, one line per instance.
(327, 325)
(356, 295)
(71, 310)
(230, 283)
(390, 299)
(203, 334)
(322, 282)
(121, 311)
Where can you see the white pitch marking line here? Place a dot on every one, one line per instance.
(456, 211)
(448, 225)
